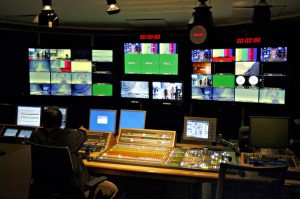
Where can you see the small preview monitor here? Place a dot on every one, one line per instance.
(63, 111)
(132, 119)
(273, 54)
(103, 120)
(269, 132)
(135, 89)
(24, 133)
(167, 91)
(10, 132)
(199, 129)
(29, 115)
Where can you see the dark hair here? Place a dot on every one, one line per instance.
(52, 117)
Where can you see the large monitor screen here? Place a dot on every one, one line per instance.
(29, 115)
(132, 119)
(135, 89)
(199, 129)
(63, 111)
(167, 91)
(151, 58)
(103, 120)
(70, 72)
(269, 132)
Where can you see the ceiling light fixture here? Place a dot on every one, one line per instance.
(202, 15)
(262, 13)
(112, 8)
(48, 17)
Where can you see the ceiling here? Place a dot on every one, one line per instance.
(137, 14)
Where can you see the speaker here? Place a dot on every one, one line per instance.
(244, 135)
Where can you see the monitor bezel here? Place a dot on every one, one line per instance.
(131, 110)
(109, 110)
(17, 115)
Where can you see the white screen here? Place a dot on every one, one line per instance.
(28, 116)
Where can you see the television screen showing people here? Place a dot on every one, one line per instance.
(168, 91)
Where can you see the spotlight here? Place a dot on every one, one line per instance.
(48, 17)
(112, 8)
(262, 13)
(202, 15)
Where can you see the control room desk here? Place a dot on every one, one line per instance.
(170, 174)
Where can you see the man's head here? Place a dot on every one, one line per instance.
(52, 117)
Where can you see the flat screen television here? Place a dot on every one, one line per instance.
(199, 129)
(223, 55)
(132, 119)
(273, 54)
(246, 54)
(134, 89)
(103, 120)
(269, 132)
(63, 111)
(70, 72)
(167, 91)
(29, 115)
(151, 58)
(201, 55)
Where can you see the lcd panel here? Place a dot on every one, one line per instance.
(201, 87)
(273, 54)
(24, 133)
(29, 115)
(199, 129)
(245, 54)
(132, 119)
(201, 55)
(103, 120)
(11, 132)
(167, 91)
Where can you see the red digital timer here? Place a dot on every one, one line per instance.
(248, 40)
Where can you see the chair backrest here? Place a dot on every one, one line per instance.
(243, 181)
(52, 170)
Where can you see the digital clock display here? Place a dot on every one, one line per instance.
(248, 40)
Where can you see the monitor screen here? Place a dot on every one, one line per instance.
(103, 120)
(63, 111)
(223, 55)
(11, 132)
(151, 58)
(135, 89)
(273, 54)
(245, 54)
(132, 119)
(199, 129)
(202, 55)
(269, 132)
(24, 133)
(167, 91)
(29, 115)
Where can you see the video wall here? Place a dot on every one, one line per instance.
(254, 75)
(70, 72)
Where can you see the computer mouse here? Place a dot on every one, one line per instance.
(90, 158)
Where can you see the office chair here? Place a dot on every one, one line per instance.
(245, 182)
(53, 175)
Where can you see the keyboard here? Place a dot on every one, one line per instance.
(259, 159)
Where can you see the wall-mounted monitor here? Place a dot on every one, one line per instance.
(103, 120)
(151, 58)
(132, 119)
(223, 55)
(246, 54)
(29, 115)
(63, 111)
(269, 132)
(167, 91)
(201, 55)
(70, 72)
(134, 89)
(273, 54)
(199, 129)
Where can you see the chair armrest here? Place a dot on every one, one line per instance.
(95, 181)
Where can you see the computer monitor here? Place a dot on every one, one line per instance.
(63, 111)
(103, 120)
(269, 132)
(29, 115)
(132, 119)
(199, 129)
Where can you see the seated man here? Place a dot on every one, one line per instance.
(51, 134)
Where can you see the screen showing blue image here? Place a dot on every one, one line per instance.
(103, 120)
(132, 119)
